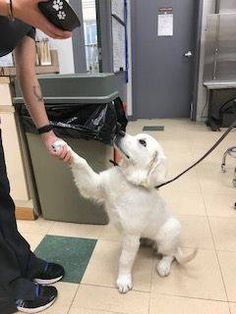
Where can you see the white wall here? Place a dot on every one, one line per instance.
(65, 55)
(208, 8)
(65, 52)
(89, 10)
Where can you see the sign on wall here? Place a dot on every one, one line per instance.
(165, 22)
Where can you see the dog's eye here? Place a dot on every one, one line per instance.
(143, 142)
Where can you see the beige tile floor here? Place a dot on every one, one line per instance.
(203, 200)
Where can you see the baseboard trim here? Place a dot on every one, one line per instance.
(25, 213)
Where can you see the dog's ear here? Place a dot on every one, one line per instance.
(150, 176)
(157, 170)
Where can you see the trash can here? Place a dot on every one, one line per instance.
(85, 111)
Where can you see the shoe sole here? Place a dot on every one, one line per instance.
(36, 310)
(47, 282)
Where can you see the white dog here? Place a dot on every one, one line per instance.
(133, 204)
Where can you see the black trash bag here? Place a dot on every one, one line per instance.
(99, 122)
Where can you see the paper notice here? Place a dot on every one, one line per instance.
(165, 25)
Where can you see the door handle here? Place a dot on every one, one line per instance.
(188, 54)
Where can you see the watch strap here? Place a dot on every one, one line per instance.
(45, 129)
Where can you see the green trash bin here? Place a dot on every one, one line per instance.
(58, 196)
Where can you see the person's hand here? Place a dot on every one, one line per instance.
(63, 153)
(28, 12)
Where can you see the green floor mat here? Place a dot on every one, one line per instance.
(153, 128)
(73, 253)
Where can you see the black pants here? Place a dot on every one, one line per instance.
(18, 265)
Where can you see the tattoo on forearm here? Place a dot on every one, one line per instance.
(28, 106)
(38, 93)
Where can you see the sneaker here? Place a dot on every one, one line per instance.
(45, 297)
(51, 274)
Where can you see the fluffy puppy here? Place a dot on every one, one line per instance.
(133, 204)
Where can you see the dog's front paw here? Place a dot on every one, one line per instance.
(124, 283)
(163, 268)
(77, 160)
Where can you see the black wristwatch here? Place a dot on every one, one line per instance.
(45, 129)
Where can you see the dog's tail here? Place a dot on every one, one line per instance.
(185, 258)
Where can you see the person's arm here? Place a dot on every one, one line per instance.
(25, 66)
(28, 12)
(3, 8)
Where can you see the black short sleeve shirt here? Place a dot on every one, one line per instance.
(11, 33)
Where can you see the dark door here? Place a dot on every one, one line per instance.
(163, 66)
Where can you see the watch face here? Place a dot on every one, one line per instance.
(60, 13)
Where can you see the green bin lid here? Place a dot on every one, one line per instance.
(75, 89)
